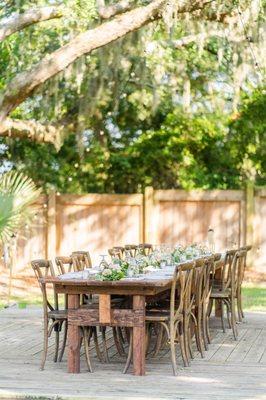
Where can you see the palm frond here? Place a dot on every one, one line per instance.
(18, 194)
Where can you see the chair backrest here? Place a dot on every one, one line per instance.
(246, 249)
(132, 249)
(145, 248)
(64, 264)
(227, 269)
(117, 252)
(209, 271)
(197, 287)
(237, 268)
(181, 290)
(42, 269)
(81, 260)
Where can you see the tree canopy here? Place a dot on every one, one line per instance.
(119, 95)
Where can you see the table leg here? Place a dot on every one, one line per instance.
(73, 357)
(139, 338)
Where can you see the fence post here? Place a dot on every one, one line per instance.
(51, 226)
(250, 220)
(148, 214)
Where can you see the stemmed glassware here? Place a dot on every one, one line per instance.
(103, 263)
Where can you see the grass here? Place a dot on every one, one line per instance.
(254, 299)
(35, 301)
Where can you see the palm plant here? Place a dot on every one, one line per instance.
(18, 194)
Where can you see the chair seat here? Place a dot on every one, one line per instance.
(160, 316)
(157, 317)
(57, 314)
(216, 293)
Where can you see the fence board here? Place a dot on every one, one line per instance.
(96, 222)
(83, 224)
(188, 221)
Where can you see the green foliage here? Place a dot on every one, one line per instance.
(248, 137)
(17, 196)
(126, 105)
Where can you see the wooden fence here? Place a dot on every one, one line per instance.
(96, 222)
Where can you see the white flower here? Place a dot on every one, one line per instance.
(149, 268)
(115, 267)
(107, 272)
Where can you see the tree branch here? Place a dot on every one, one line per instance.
(16, 22)
(32, 130)
(23, 85)
(106, 12)
(230, 35)
(26, 82)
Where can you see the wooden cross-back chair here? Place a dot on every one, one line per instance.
(145, 248)
(81, 260)
(197, 305)
(209, 271)
(117, 252)
(172, 319)
(246, 249)
(64, 264)
(53, 317)
(132, 249)
(226, 292)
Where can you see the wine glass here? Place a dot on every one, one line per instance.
(103, 263)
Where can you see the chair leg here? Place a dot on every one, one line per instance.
(86, 335)
(181, 339)
(120, 335)
(233, 318)
(187, 339)
(45, 343)
(208, 329)
(173, 353)
(198, 332)
(105, 351)
(130, 352)
(63, 343)
(205, 321)
(158, 343)
(209, 309)
(56, 342)
(222, 316)
(228, 314)
(118, 344)
(148, 337)
(96, 342)
(239, 307)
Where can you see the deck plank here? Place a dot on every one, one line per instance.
(230, 370)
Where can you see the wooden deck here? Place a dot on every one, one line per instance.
(230, 370)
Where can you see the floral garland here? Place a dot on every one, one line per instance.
(120, 269)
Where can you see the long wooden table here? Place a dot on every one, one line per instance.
(134, 318)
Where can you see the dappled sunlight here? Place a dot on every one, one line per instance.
(97, 228)
(188, 221)
(193, 379)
